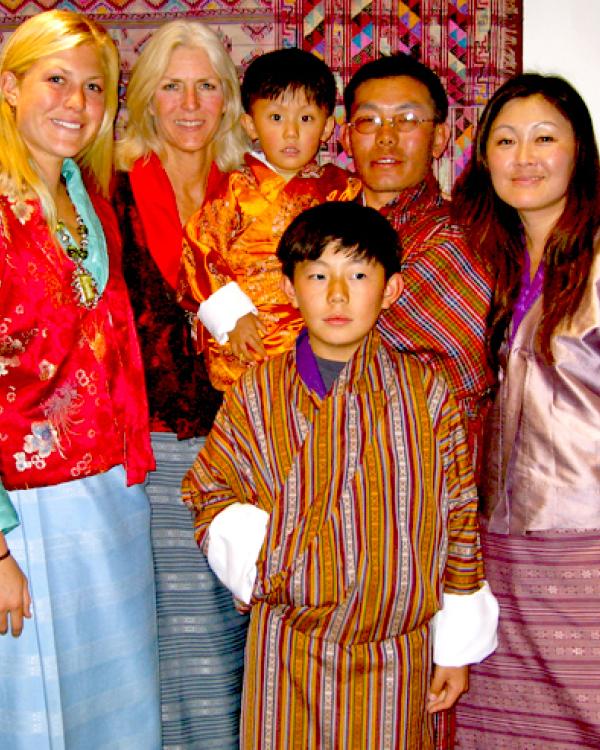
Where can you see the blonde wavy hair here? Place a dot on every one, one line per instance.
(40, 36)
(140, 138)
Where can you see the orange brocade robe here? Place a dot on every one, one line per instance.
(372, 514)
(234, 237)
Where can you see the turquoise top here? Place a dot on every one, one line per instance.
(96, 262)
(8, 515)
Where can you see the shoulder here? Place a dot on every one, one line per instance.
(218, 182)
(327, 182)
(22, 225)
(269, 374)
(335, 172)
(411, 373)
(226, 185)
(251, 396)
(435, 224)
(347, 184)
(434, 237)
(331, 173)
(402, 363)
(17, 213)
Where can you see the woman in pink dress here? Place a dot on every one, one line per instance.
(531, 200)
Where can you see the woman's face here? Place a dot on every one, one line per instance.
(188, 104)
(59, 104)
(531, 154)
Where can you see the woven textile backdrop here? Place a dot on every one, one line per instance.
(474, 45)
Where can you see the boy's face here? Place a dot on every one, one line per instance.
(340, 297)
(290, 130)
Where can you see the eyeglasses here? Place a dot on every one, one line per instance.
(407, 122)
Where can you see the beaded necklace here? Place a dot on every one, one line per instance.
(83, 282)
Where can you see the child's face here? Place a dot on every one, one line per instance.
(290, 130)
(340, 297)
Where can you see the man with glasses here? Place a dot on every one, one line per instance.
(396, 111)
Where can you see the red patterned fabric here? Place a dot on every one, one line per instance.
(441, 314)
(158, 214)
(72, 395)
(180, 396)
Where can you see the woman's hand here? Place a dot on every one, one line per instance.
(15, 602)
(447, 685)
(246, 339)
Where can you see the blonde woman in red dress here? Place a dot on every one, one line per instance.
(75, 552)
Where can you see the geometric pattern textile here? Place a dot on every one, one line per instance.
(473, 45)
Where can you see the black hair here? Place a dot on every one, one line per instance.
(289, 70)
(394, 66)
(358, 230)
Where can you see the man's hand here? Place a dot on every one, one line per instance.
(246, 340)
(15, 602)
(447, 685)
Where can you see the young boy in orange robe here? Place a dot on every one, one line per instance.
(230, 273)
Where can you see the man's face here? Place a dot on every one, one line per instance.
(389, 161)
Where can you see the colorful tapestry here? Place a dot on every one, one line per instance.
(474, 45)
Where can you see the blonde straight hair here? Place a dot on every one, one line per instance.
(42, 35)
(140, 138)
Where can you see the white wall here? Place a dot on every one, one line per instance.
(563, 37)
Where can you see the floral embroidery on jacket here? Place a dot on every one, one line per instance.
(20, 208)
(39, 444)
(62, 408)
(11, 348)
(46, 369)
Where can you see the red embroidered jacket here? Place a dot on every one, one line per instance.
(72, 394)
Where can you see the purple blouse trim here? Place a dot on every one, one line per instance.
(529, 292)
(307, 365)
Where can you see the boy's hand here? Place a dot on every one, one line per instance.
(447, 685)
(245, 339)
(15, 602)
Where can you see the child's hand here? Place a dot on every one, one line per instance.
(15, 602)
(246, 340)
(447, 685)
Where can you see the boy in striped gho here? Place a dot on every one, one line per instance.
(335, 498)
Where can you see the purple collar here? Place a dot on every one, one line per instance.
(307, 365)
(528, 293)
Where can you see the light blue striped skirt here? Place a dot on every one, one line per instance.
(201, 635)
(83, 675)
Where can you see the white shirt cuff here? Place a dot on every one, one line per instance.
(235, 537)
(222, 310)
(465, 629)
